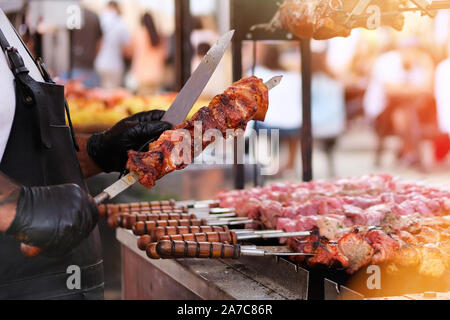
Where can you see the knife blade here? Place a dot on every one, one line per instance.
(193, 88)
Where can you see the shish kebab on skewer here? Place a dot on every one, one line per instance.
(128, 220)
(212, 234)
(107, 210)
(144, 227)
(247, 99)
(352, 251)
(126, 215)
(167, 249)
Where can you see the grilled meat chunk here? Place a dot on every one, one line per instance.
(433, 262)
(245, 100)
(358, 251)
(325, 19)
(384, 246)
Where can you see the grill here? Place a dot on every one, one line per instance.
(264, 278)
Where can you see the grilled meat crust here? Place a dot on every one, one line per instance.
(357, 249)
(364, 246)
(319, 19)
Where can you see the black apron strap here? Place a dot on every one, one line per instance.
(14, 59)
(21, 74)
(24, 84)
(4, 44)
(46, 75)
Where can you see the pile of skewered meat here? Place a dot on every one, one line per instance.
(325, 19)
(426, 248)
(368, 200)
(372, 219)
(245, 100)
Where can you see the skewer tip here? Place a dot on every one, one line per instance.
(272, 83)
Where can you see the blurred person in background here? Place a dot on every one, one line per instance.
(442, 94)
(328, 110)
(110, 63)
(203, 38)
(399, 98)
(328, 104)
(355, 74)
(85, 43)
(286, 112)
(148, 51)
(328, 101)
(217, 82)
(32, 38)
(441, 34)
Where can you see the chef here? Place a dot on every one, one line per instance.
(44, 201)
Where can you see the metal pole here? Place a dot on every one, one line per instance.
(183, 47)
(239, 169)
(258, 180)
(306, 131)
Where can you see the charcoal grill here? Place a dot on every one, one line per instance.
(259, 278)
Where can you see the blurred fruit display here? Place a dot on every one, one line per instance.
(96, 109)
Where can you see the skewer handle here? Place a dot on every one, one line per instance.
(229, 237)
(170, 205)
(146, 227)
(160, 232)
(127, 220)
(167, 249)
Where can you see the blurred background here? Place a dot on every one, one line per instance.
(380, 99)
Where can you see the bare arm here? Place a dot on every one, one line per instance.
(9, 195)
(88, 166)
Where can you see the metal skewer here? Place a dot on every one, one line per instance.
(262, 253)
(229, 236)
(205, 233)
(230, 222)
(273, 235)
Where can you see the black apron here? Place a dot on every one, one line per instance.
(41, 152)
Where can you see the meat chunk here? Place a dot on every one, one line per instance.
(384, 246)
(328, 254)
(325, 19)
(428, 235)
(357, 250)
(433, 262)
(407, 256)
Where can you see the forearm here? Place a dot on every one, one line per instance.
(88, 166)
(9, 195)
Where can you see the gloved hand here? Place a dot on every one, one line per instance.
(55, 218)
(109, 149)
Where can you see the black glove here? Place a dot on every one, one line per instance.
(55, 219)
(109, 149)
